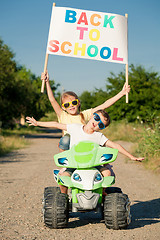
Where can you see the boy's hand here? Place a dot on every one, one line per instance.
(31, 121)
(45, 76)
(126, 89)
(140, 159)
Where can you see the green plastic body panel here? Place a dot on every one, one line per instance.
(85, 154)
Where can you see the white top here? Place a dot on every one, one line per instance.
(77, 135)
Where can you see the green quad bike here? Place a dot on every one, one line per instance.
(86, 184)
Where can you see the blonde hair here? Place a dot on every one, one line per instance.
(70, 93)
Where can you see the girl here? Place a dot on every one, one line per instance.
(70, 109)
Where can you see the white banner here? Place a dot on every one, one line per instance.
(87, 34)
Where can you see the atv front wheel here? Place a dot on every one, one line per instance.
(117, 211)
(55, 208)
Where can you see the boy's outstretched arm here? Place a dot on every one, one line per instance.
(33, 122)
(122, 150)
(111, 101)
(54, 103)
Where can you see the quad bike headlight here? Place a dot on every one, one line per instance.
(106, 157)
(77, 177)
(63, 161)
(98, 177)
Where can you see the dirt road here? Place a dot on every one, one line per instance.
(25, 173)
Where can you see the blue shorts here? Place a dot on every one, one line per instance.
(64, 142)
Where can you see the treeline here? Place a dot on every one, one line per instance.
(19, 90)
(144, 97)
(20, 93)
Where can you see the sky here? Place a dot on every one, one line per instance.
(24, 27)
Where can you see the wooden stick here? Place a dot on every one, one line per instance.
(45, 69)
(126, 15)
(127, 82)
(45, 64)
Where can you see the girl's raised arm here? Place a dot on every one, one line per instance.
(111, 101)
(54, 103)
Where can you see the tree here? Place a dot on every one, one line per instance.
(31, 101)
(87, 100)
(144, 98)
(7, 70)
(19, 90)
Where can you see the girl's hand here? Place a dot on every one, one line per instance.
(140, 159)
(31, 121)
(45, 76)
(126, 89)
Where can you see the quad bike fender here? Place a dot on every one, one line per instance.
(65, 180)
(108, 181)
(62, 180)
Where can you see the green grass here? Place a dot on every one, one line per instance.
(19, 131)
(145, 137)
(123, 131)
(14, 139)
(51, 116)
(149, 146)
(10, 143)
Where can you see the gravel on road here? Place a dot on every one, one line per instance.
(25, 173)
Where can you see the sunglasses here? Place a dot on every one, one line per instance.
(68, 104)
(98, 119)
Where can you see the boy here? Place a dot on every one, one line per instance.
(78, 132)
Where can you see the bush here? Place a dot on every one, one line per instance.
(149, 147)
(145, 138)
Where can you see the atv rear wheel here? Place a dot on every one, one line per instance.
(117, 211)
(55, 208)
